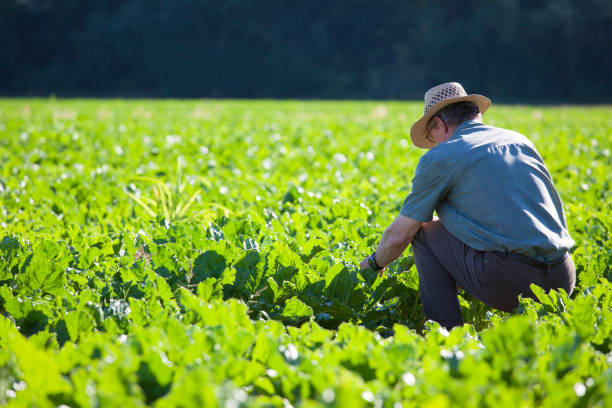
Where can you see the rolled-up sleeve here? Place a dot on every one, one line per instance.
(429, 186)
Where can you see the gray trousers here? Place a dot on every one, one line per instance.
(494, 278)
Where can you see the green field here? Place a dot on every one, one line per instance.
(204, 253)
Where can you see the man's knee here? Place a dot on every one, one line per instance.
(428, 232)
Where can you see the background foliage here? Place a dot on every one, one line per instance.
(511, 50)
(252, 296)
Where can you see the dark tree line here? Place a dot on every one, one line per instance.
(513, 50)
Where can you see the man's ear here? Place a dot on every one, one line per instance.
(436, 122)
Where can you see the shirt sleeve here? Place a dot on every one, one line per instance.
(429, 186)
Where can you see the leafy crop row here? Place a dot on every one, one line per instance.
(205, 254)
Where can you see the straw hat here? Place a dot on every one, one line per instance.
(437, 98)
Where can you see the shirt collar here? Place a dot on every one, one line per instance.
(463, 127)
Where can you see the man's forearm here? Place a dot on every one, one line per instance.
(389, 248)
(395, 240)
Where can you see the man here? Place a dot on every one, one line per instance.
(501, 224)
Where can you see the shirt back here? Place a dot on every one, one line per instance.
(492, 191)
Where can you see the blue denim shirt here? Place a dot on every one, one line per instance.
(491, 190)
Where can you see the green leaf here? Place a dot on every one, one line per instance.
(44, 270)
(78, 322)
(210, 264)
(193, 388)
(545, 299)
(16, 307)
(249, 273)
(296, 311)
(9, 248)
(339, 288)
(209, 290)
(155, 374)
(369, 275)
(30, 359)
(136, 272)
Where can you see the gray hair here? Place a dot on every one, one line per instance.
(457, 113)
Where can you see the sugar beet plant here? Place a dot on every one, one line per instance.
(230, 279)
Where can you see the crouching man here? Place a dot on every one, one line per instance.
(501, 223)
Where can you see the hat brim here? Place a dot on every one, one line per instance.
(418, 131)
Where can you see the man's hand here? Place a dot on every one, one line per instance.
(365, 264)
(394, 241)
